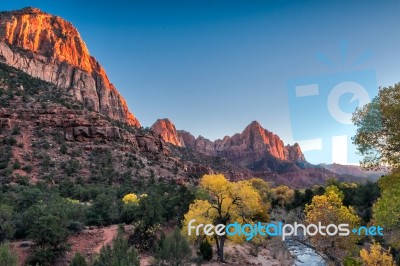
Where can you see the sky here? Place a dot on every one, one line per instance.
(212, 67)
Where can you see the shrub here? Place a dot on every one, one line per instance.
(16, 165)
(7, 228)
(42, 257)
(47, 231)
(6, 256)
(173, 250)
(78, 260)
(10, 141)
(205, 250)
(349, 261)
(16, 131)
(144, 237)
(63, 149)
(103, 211)
(119, 254)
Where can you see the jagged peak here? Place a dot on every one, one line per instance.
(167, 130)
(32, 10)
(255, 123)
(255, 128)
(164, 120)
(25, 10)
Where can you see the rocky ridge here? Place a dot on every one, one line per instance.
(245, 149)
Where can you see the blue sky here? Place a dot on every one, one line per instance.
(212, 67)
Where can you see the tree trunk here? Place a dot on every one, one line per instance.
(220, 241)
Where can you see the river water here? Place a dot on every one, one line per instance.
(304, 255)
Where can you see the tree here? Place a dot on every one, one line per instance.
(228, 202)
(78, 260)
(119, 254)
(6, 256)
(130, 198)
(103, 211)
(378, 129)
(48, 232)
(386, 210)
(282, 196)
(173, 250)
(376, 255)
(7, 227)
(328, 209)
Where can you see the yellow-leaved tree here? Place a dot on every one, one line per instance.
(282, 195)
(130, 198)
(329, 209)
(376, 255)
(227, 202)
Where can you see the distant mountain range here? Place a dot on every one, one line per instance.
(59, 97)
(355, 170)
(264, 153)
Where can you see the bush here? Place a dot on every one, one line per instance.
(103, 211)
(42, 257)
(6, 256)
(349, 261)
(119, 254)
(173, 250)
(16, 131)
(48, 232)
(78, 260)
(205, 250)
(11, 141)
(63, 149)
(128, 213)
(144, 238)
(16, 165)
(7, 228)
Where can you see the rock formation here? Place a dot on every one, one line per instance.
(167, 131)
(50, 48)
(253, 145)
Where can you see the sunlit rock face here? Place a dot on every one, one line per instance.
(253, 145)
(50, 48)
(167, 131)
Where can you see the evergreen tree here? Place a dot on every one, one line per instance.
(120, 254)
(78, 260)
(173, 250)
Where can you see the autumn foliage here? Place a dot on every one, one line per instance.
(329, 209)
(376, 255)
(227, 202)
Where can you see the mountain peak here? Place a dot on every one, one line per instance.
(31, 10)
(255, 124)
(166, 129)
(47, 35)
(51, 48)
(249, 148)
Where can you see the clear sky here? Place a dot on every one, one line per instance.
(212, 67)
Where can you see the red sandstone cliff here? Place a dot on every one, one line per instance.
(252, 145)
(50, 48)
(167, 131)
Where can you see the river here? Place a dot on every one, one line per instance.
(303, 254)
